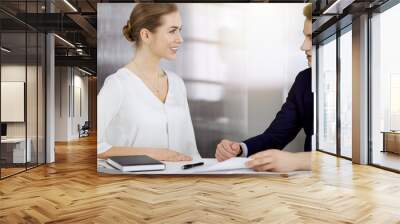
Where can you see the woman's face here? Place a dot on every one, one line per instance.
(165, 41)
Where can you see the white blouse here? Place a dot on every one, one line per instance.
(129, 114)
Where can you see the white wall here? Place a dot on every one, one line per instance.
(61, 103)
(80, 83)
(33, 126)
(67, 116)
(12, 73)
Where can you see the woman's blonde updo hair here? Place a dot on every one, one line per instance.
(146, 15)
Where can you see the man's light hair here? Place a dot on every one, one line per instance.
(307, 11)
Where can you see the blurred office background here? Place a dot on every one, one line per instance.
(238, 62)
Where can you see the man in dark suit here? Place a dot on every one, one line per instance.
(265, 149)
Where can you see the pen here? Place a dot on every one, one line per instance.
(188, 166)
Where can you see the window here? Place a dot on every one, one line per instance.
(346, 93)
(385, 89)
(327, 96)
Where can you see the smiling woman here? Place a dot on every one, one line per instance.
(143, 108)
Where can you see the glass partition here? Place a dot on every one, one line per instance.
(31, 100)
(327, 96)
(13, 109)
(41, 107)
(346, 94)
(22, 90)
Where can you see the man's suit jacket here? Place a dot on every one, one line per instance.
(295, 114)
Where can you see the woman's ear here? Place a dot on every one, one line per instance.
(145, 35)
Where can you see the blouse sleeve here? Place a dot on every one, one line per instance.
(108, 104)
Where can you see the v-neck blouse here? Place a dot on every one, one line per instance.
(129, 114)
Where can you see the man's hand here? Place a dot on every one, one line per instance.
(227, 149)
(279, 161)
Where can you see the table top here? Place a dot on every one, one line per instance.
(391, 132)
(13, 140)
(175, 168)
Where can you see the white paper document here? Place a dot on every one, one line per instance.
(211, 166)
(235, 163)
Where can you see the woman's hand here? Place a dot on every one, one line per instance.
(167, 155)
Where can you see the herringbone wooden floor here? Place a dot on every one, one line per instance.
(71, 191)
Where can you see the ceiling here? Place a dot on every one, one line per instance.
(76, 25)
(329, 16)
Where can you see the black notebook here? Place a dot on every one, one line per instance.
(135, 163)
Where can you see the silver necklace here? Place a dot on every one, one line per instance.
(155, 86)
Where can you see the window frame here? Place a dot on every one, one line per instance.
(334, 37)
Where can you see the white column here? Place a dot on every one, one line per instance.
(360, 90)
(50, 100)
(50, 93)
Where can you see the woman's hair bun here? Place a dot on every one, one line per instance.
(128, 32)
(148, 16)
